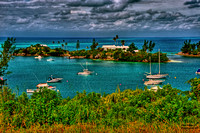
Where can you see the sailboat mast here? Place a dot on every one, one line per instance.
(159, 61)
(150, 64)
(86, 65)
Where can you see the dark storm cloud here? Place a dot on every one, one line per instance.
(88, 3)
(96, 15)
(193, 3)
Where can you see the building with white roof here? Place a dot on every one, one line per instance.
(106, 47)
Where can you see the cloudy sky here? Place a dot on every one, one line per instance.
(75, 18)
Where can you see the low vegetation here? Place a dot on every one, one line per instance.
(35, 50)
(168, 106)
(191, 48)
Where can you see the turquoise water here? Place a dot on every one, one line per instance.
(27, 72)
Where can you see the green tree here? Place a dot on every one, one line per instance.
(145, 46)
(77, 45)
(94, 45)
(132, 47)
(6, 55)
(114, 39)
(151, 46)
(117, 37)
(123, 42)
(66, 45)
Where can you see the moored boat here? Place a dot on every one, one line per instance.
(38, 57)
(51, 79)
(39, 86)
(198, 71)
(153, 82)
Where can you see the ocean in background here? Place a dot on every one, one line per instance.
(27, 72)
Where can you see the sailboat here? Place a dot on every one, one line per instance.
(151, 81)
(85, 71)
(156, 76)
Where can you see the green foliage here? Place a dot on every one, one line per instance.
(190, 48)
(148, 45)
(6, 55)
(77, 45)
(132, 47)
(48, 107)
(94, 45)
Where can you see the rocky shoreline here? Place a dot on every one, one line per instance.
(187, 55)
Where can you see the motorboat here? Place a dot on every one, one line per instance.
(39, 86)
(156, 76)
(51, 59)
(198, 71)
(85, 71)
(51, 79)
(38, 57)
(153, 82)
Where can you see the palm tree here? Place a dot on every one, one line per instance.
(58, 42)
(77, 45)
(145, 46)
(114, 39)
(151, 46)
(62, 45)
(66, 46)
(117, 38)
(122, 42)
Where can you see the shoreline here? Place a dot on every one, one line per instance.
(187, 55)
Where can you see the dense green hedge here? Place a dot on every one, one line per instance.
(48, 107)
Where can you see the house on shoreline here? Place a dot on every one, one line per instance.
(113, 47)
(106, 47)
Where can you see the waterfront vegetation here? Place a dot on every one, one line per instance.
(97, 53)
(190, 49)
(136, 110)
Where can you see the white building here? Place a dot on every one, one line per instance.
(106, 47)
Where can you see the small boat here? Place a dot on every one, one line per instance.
(41, 85)
(155, 88)
(156, 76)
(51, 59)
(51, 79)
(38, 57)
(85, 71)
(153, 82)
(198, 71)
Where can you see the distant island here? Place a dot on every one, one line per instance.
(190, 49)
(106, 52)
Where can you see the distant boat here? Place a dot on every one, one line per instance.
(85, 71)
(155, 88)
(38, 57)
(156, 76)
(51, 79)
(198, 71)
(51, 59)
(153, 82)
(41, 85)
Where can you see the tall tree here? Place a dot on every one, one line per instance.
(77, 45)
(66, 45)
(123, 42)
(94, 45)
(6, 55)
(114, 39)
(151, 46)
(132, 47)
(145, 46)
(117, 37)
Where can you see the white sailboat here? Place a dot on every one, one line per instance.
(156, 76)
(85, 71)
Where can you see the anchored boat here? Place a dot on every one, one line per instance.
(51, 79)
(41, 85)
